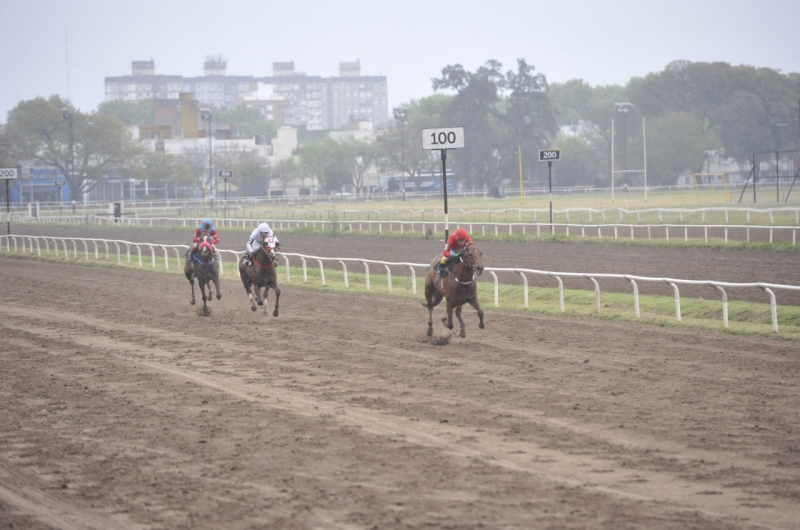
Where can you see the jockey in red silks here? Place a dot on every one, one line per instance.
(457, 242)
(206, 228)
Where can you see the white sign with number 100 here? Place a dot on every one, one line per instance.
(450, 138)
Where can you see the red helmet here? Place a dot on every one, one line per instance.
(461, 234)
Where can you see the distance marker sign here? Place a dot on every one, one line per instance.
(549, 155)
(448, 138)
(9, 173)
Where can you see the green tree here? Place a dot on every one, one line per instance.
(528, 118)
(743, 104)
(286, 172)
(475, 107)
(43, 131)
(130, 113)
(578, 166)
(676, 144)
(246, 122)
(162, 170)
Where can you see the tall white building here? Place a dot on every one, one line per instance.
(287, 97)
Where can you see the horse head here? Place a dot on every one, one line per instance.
(206, 251)
(472, 258)
(268, 247)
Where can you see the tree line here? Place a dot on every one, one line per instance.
(508, 116)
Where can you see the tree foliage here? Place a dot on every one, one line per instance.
(42, 131)
(246, 122)
(131, 113)
(501, 113)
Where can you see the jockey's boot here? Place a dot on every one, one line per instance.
(441, 268)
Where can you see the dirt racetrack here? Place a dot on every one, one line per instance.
(123, 408)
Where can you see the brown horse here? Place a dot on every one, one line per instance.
(261, 274)
(203, 266)
(459, 287)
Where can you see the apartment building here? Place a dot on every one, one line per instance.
(288, 97)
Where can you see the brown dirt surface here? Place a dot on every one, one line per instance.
(124, 408)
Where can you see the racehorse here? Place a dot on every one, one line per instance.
(203, 266)
(261, 274)
(458, 287)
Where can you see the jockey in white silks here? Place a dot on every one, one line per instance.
(257, 238)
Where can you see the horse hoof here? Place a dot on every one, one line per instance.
(219, 297)
(275, 313)
(192, 302)
(253, 308)
(463, 334)
(481, 325)
(260, 302)
(430, 332)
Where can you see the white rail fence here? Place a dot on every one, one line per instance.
(666, 232)
(26, 244)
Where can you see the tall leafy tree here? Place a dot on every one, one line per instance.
(130, 113)
(475, 108)
(43, 131)
(246, 122)
(676, 145)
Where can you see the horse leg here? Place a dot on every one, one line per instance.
(448, 320)
(247, 285)
(463, 332)
(191, 282)
(474, 303)
(216, 284)
(277, 298)
(266, 298)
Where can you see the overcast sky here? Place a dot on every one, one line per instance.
(68, 47)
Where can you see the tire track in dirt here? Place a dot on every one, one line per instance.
(452, 441)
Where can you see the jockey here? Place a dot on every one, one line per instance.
(457, 242)
(256, 238)
(206, 228)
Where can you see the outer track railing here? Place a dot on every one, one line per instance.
(616, 231)
(25, 244)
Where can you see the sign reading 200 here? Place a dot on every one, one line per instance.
(450, 138)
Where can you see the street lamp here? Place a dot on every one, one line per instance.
(400, 114)
(623, 108)
(67, 115)
(208, 118)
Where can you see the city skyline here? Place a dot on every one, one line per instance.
(69, 47)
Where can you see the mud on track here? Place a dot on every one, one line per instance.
(122, 408)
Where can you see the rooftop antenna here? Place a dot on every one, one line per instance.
(66, 51)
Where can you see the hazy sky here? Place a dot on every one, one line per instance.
(68, 47)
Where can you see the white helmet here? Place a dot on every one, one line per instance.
(265, 229)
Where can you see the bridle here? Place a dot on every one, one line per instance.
(470, 266)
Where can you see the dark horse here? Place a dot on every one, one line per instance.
(459, 287)
(261, 274)
(203, 266)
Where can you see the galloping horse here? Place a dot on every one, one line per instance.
(459, 287)
(261, 274)
(203, 266)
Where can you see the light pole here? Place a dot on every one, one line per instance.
(400, 114)
(67, 115)
(208, 118)
(623, 108)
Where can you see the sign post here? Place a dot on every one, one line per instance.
(60, 184)
(443, 139)
(225, 176)
(550, 155)
(8, 173)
